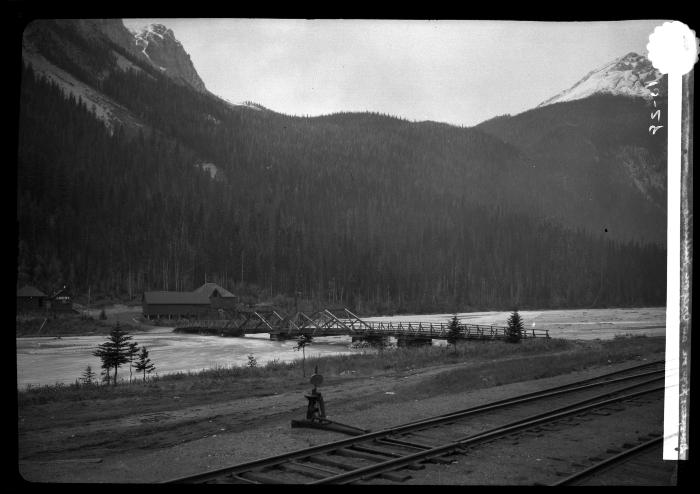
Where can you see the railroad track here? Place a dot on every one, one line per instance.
(395, 453)
(642, 459)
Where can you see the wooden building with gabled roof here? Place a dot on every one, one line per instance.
(219, 297)
(210, 288)
(61, 300)
(203, 302)
(175, 305)
(30, 298)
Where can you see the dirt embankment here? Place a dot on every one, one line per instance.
(86, 323)
(174, 431)
(66, 326)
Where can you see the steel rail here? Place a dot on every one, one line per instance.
(562, 389)
(394, 464)
(327, 447)
(323, 448)
(618, 458)
(516, 401)
(608, 395)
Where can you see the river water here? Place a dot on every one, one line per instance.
(49, 360)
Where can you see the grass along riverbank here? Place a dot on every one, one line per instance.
(477, 364)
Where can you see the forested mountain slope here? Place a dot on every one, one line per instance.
(594, 163)
(365, 210)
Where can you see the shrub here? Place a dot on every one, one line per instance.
(88, 377)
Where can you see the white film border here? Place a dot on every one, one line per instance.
(673, 50)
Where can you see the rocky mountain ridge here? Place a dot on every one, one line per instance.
(153, 45)
(159, 45)
(628, 75)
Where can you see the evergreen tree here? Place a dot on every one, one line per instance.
(514, 331)
(115, 351)
(453, 332)
(144, 364)
(88, 377)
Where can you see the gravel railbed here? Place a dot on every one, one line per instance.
(257, 428)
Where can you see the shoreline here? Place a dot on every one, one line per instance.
(45, 360)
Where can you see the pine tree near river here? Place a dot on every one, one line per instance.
(116, 351)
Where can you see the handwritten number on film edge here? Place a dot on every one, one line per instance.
(657, 114)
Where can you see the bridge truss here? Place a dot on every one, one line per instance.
(336, 322)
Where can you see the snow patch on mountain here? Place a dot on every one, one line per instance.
(141, 40)
(628, 75)
(251, 105)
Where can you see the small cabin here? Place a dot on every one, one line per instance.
(30, 298)
(61, 300)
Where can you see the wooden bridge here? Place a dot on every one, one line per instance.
(339, 322)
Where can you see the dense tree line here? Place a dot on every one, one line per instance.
(364, 210)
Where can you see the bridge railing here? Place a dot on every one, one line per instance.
(329, 324)
(440, 330)
(201, 323)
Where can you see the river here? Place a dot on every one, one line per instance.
(49, 360)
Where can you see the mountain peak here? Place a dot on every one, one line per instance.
(159, 30)
(158, 43)
(627, 75)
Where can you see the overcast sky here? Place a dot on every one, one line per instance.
(458, 72)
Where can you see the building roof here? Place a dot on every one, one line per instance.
(208, 288)
(175, 298)
(30, 291)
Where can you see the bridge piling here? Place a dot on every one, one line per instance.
(281, 336)
(410, 341)
(372, 339)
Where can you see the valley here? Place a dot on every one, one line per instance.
(138, 182)
(569, 197)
